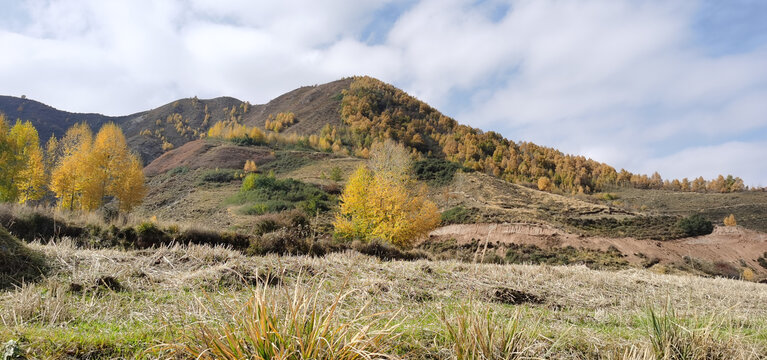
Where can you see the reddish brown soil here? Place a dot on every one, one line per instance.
(728, 244)
(208, 155)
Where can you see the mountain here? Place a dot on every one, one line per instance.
(151, 133)
(350, 114)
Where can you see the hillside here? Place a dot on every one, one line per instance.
(50, 121)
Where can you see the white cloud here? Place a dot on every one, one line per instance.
(622, 81)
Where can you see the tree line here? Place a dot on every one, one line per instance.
(374, 110)
(80, 170)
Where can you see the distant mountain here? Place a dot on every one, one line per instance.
(153, 132)
(51, 121)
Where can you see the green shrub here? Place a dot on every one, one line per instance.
(385, 250)
(266, 194)
(178, 171)
(436, 172)
(696, 225)
(218, 176)
(457, 215)
(336, 174)
(762, 260)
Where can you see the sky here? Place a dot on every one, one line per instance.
(678, 87)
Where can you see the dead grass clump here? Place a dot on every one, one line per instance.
(510, 296)
(298, 325)
(476, 335)
(18, 263)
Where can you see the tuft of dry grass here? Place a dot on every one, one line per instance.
(303, 327)
(476, 335)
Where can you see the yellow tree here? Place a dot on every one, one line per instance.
(544, 184)
(129, 187)
(110, 168)
(23, 177)
(7, 164)
(69, 175)
(385, 204)
(730, 220)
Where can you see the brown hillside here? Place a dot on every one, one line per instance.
(314, 107)
(177, 123)
(208, 155)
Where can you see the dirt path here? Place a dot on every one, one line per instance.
(729, 244)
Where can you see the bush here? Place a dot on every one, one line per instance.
(31, 225)
(387, 251)
(291, 241)
(148, 235)
(267, 194)
(696, 225)
(457, 215)
(218, 176)
(436, 172)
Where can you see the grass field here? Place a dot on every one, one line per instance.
(155, 303)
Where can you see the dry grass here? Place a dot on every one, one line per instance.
(579, 313)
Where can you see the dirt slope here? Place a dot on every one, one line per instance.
(208, 154)
(727, 244)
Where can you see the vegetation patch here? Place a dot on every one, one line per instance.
(696, 225)
(18, 263)
(639, 227)
(458, 215)
(511, 296)
(387, 251)
(261, 194)
(593, 259)
(286, 161)
(436, 172)
(218, 176)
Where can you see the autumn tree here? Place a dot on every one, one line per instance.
(69, 175)
(730, 220)
(91, 170)
(23, 176)
(544, 184)
(385, 203)
(250, 166)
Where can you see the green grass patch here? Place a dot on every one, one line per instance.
(261, 194)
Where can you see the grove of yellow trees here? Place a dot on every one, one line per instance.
(91, 170)
(381, 201)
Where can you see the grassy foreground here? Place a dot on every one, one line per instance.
(172, 302)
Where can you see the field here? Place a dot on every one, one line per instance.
(144, 303)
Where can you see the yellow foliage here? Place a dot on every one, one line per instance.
(250, 166)
(280, 122)
(730, 221)
(23, 176)
(544, 184)
(748, 275)
(385, 205)
(90, 171)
